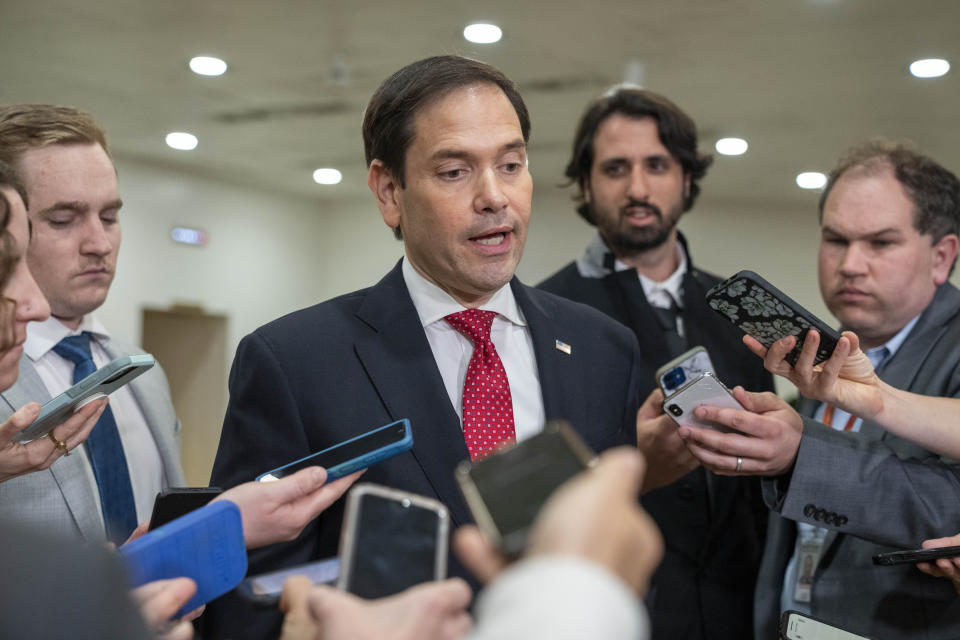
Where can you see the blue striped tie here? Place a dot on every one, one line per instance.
(104, 449)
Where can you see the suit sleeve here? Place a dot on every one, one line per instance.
(863, 488)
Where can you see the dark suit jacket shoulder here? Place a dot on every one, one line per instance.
(333, 371)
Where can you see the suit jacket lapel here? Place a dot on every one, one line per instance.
(561, 379)
(69, 471)
(397, 357)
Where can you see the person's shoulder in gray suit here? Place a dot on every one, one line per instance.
(60, 499)
(875, 492)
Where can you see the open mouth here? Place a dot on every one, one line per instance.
(491, 239)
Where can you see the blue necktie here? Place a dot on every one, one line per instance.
(104, 449)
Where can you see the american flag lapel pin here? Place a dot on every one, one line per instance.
(563, 346)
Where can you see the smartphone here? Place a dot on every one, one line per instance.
(101, 382)
(173, 502)
(505, 491)
(915, 555)
(686, 366)
(391, 540)
(353, 454)
(206, 545)
(766, 313)
(264, 590)
(799, 626)
(706, 389)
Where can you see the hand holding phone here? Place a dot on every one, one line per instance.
(264, 590)
(704, 390)
(391, 540)
(101, 382)
(766, 313)
(505, 491)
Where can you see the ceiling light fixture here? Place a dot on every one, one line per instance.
(182, 141)
(208, 66)
(929, 68)
(482, 33)
(811, 180)
(327, 176)
(731, 146)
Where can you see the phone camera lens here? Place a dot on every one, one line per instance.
(675, 410)
(674, 378)
(405, 502)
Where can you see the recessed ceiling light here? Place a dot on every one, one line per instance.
(929, 68)
(327, 176)
(482, 33)
(182, 141)
(207, 66)
(731, 146)
(811, 180)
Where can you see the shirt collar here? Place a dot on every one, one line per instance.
(434, 304)
(891, 345)
(43, 336)
(672, 286)
(594, 264)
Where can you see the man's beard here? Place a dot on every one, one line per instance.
(631, 241)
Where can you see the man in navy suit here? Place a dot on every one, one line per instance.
(445, 140)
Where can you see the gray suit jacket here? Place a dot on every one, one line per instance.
(875, 492)
(60, 500)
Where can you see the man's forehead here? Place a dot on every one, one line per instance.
(623, 135)
(868, 200)
(74, 171)
(474, 110)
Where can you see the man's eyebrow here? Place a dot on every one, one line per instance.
(460, 154)
(867, 234)
(80, 206)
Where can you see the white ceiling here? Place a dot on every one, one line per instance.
(799, 79)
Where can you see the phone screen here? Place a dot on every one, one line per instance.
(321, 572)
(515, 483)
(800, 627)
(395, 546)
(345, 451)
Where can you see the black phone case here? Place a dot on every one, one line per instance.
(766, 313)
(915, 555)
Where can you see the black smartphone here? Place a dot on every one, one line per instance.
(391, 540)
(768, 314)
(915, 555)
(264, 590)
(505, 491)
(173, 502)
(800, 626)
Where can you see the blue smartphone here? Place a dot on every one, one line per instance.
(353, 454)
(206, 545)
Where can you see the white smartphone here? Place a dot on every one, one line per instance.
(706, 389)
(391, 540)
(264, 590)
(798, 626)
(686, 366)
(101, 382)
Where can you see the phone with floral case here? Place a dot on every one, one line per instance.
(766, 313)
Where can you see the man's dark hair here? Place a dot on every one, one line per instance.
(388, 122)
(677, 132)
(933, 189)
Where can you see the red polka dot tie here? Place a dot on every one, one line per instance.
(487, 404)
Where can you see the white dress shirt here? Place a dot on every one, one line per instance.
(452, 350)
(143, 457)
(667, 293)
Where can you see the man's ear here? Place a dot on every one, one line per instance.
(585, 190)
(386, 189)
(944, 255)
(686, 186)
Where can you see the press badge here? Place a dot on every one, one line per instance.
(807, 561)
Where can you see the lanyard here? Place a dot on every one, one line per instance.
(828, 418)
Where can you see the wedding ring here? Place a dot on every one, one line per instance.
(739, 462)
